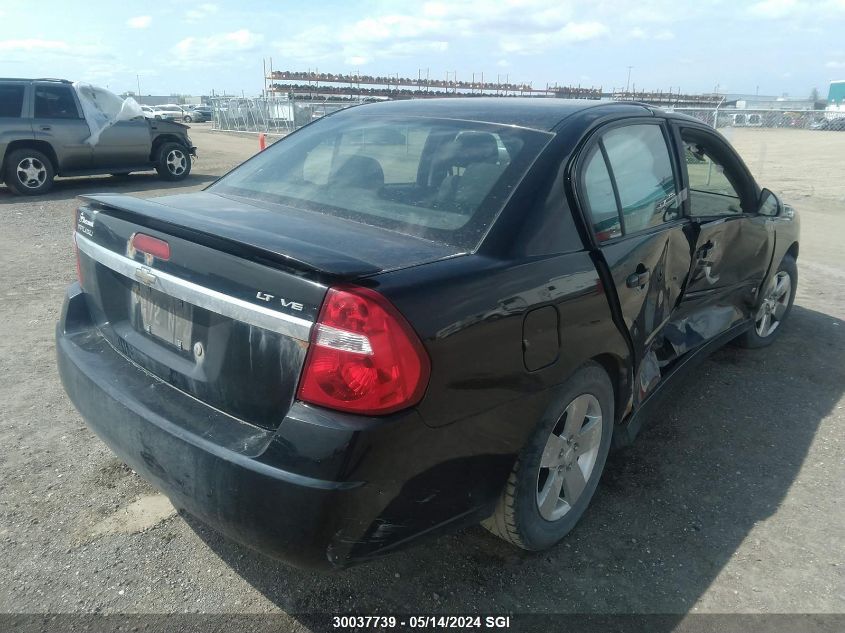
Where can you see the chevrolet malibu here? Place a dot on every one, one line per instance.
(411, 316)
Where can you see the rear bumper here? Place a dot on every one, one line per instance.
(303, 493)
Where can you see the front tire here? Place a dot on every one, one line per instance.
(188, 119)
(173, 162)
(29, 172)
(775, 306)
(558, 471)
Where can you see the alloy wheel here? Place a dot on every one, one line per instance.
(176, 162)
(569, 457)
(31, 172)
(774, 305)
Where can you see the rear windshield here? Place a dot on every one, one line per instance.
(439, 179)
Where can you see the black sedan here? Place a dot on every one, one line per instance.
(410, 316)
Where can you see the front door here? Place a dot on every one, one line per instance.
(124, 144)
(733, 243)
(58, 121)
(630, 186)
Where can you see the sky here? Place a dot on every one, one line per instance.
(769, 47)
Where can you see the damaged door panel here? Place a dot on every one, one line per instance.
(733, 245)
(660, 261)
(631, 187)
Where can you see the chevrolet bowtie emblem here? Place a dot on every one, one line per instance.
(145, 276)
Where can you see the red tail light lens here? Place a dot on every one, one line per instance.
(151, 246)
(364, 356)
(78, 262)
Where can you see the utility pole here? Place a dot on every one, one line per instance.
(138, 79)
(628, 83)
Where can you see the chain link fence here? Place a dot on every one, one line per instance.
(271, 115)
(282, 114)
(742, 117)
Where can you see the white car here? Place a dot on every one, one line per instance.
(168, 112)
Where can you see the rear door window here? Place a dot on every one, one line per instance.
(11, 101)
(55, 102)
(628, 181)
(642, 169)
(598, 189)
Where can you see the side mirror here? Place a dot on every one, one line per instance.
(769, 204)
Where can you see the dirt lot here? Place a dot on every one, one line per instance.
(731, 500)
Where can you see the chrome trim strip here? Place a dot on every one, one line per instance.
(259, 316)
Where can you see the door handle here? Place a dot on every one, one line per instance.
(639, 278)
(46, 128)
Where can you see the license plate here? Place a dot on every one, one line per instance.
(163, 317)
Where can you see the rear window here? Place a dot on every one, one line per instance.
(439, 179)
(11, 101)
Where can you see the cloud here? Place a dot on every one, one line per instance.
(835, 64)
(56, 53)
(512, 26)
(201, 12)
(33, 44)
(774, 9)
(139, 22)
(572, 32)
(638, 33)
(215, 49)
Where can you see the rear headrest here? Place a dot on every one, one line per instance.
(477, 147)
(468, 148)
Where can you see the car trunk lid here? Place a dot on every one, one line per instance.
(226, 316)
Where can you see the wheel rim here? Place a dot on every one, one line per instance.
(774, 305)
(176, 162)
(569, 457)
(31, 172)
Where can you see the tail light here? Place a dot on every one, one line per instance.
(78, 262)
(364, 356)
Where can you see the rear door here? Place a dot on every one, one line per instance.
(629, 182)
(124, 144)
(14, 125)
(58, 120)
(733, 243)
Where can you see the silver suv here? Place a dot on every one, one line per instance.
(43, 133)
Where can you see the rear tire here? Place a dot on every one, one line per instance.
(559, 468)
(173, 162)
(775, 306)
(188, 119)
(29, 172)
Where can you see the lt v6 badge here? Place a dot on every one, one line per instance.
(267, 298)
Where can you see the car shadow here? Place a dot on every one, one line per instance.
(716, 459)
(68, 188)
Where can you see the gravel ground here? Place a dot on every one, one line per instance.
(729, 502)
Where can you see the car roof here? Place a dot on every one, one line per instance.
(540, 113)
(60, 81)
